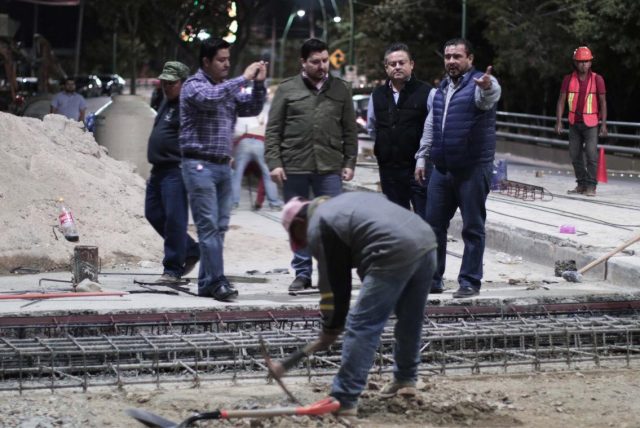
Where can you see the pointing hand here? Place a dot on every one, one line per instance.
(484, 82)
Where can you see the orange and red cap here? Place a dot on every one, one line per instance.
(583, 53)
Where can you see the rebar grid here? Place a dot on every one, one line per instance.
(503, 345)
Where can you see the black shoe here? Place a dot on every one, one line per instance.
(189, 264)
(300, 283)
(223, 293)
(436, 288)
(225, 281)
(466, 292)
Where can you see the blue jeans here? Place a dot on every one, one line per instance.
(252, 150)
(403, 291)
(166, 209)
(400, 186)
(301, 185)
(466, 189)
(583, 149)
(209, 188)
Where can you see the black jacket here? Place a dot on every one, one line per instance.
(163, 149)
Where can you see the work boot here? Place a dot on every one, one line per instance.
(436, 288)
(591, 191)
(300, 283)
(580, 189)
(404, 389)
(347, 412)
(467, 291)
(168, 279)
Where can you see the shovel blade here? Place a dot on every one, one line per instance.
(150, 419)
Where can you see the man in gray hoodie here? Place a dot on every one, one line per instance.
(393, 251)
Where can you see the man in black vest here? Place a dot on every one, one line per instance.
(396, 115)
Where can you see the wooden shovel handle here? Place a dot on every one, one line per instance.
(611, 253)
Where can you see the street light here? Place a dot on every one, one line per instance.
(283, 41)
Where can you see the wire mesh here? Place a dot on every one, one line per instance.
(469, 346)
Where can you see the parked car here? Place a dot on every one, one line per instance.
(89, 86)
(112, 84)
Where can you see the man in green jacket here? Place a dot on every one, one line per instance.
(311, 138)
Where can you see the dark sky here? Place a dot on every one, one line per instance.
(56, 23)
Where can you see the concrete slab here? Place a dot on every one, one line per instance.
(523, 238)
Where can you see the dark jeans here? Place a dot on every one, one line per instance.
(402, 291)
(302, 185)
(400, 186)
(209, 187)
(583, 149)
(166, 208)
(465, 189)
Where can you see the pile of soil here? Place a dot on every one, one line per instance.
(44, 160)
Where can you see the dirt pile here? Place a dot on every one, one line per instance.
(51, 158)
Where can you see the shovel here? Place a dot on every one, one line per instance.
(576, 276)
(324, 406)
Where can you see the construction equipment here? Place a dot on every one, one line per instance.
(576, 276)
(322, 407)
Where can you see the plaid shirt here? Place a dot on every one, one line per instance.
(208, 112)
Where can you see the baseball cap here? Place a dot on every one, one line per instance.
(174, 70)
(289, 212)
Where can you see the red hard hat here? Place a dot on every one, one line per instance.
(583, 53)
(290, 210)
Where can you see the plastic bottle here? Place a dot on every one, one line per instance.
(67, 223)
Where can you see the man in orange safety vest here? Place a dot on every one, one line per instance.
(584, 92)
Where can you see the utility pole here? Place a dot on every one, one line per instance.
(464, 19)
(351, 57)
(76, 67)
(114, 57)
(325, 27)
(272, 55)
(312, 24)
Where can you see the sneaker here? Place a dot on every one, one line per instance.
(347, 412)
(404, 389)
(300, 283)
(275, 207)
(463, 292)
(167, 278)
(580, 189)
(591, 191)
(189, 264)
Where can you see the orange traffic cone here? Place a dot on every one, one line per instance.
(602, 167)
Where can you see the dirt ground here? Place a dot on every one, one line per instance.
(595, 398)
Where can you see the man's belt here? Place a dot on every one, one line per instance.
(207, 158)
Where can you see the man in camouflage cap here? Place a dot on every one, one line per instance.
(166, 206)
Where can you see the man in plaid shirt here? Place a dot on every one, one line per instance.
(209, 105)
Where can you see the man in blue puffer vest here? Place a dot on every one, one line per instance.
(460, 139)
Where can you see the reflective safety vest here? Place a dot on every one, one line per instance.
(590, 107)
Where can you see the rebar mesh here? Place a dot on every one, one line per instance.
(505, 345)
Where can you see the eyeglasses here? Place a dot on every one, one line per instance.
(393, 64)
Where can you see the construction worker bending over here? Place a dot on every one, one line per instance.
(394, 253)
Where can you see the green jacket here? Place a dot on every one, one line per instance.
(312, 131)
